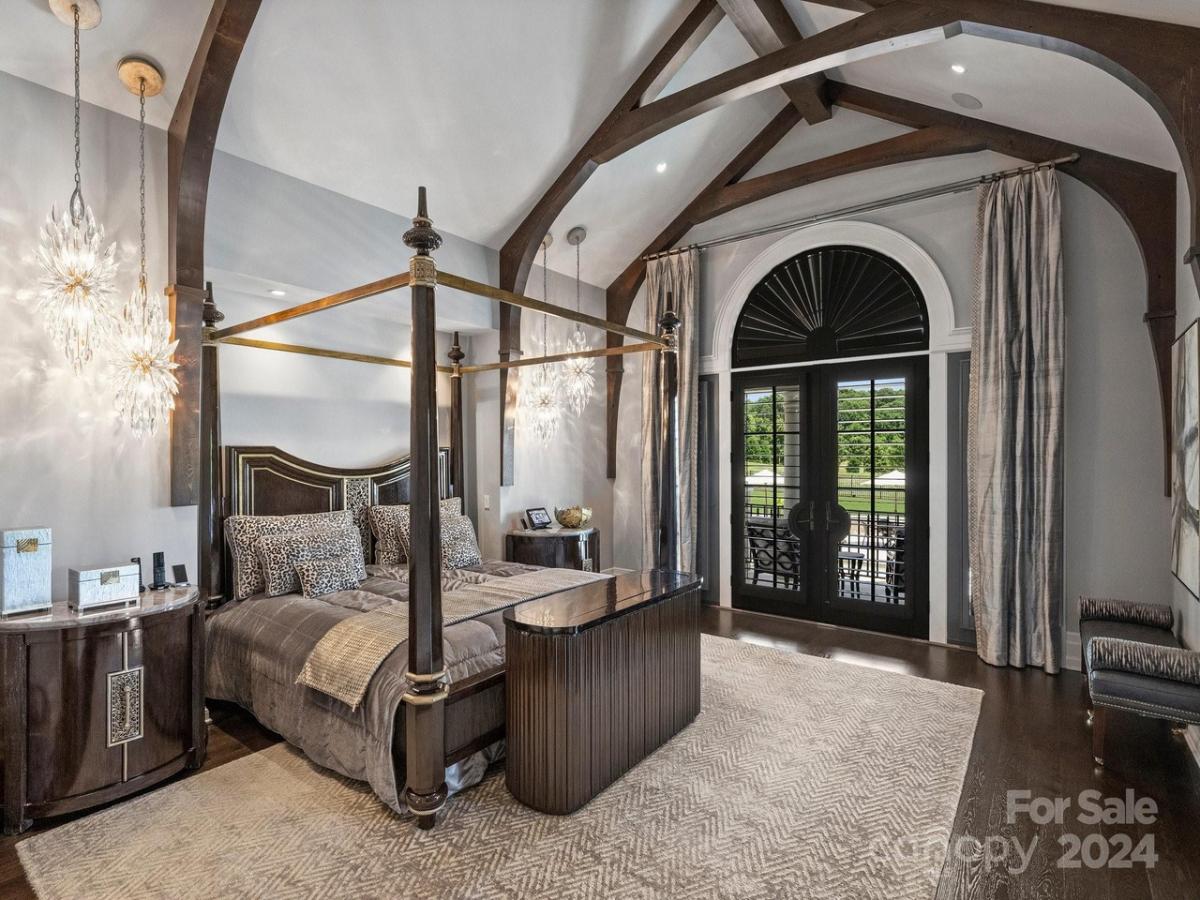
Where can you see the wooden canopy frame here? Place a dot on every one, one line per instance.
(424, 703)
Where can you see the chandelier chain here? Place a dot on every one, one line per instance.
(142, 177)
(578, 307)
(77, 197)
(545, 296)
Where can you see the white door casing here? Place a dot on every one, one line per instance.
(945, 336)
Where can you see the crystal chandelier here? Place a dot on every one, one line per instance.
(77, 270)
(142, 364)
(541, 396)
(579, 371)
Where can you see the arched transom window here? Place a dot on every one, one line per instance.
(828, 303)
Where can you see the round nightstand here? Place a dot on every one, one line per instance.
(556, 548)
(99, 704)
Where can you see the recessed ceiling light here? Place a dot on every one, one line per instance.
(276, 292)
(660, 168)
(958, 68)
(967, 101)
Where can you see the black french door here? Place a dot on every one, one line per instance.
(830, 494)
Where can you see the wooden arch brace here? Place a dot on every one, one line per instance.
(1144, 195)
(1161, 61)
(191, 140)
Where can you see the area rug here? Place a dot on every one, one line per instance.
(801, 777)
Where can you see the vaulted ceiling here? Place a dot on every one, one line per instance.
(485, 101)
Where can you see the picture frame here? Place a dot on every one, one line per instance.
(538, 518)
(1185, 458)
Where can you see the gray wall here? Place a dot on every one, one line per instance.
(65, 461)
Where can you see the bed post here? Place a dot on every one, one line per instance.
(424, 720)
(456, 419)
(211, 541)
(670, 550)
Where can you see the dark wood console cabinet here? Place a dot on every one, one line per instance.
(598, 678)
(556, 548)
(100, 704)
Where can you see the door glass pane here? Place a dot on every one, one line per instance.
(775, 480)
(871, 480)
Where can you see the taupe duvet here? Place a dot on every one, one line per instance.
(257, 647)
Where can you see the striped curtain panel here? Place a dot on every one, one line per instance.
(1016, 425)
(676, 275)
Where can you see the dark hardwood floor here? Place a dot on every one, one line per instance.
(1032, 736)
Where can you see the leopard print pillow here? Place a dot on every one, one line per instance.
(279, 554)
(319, 577)
(243, 532)
(459, 546)
(390, 525)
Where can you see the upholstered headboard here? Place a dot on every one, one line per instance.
(266, 481)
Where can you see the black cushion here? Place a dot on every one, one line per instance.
(1146, 695)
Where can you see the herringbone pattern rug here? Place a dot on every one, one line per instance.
(802, 777)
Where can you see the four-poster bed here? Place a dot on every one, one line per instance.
(445, 702)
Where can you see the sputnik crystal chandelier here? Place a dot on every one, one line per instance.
(77, 270)
(541, 394)
(578, 374)
(142, 364)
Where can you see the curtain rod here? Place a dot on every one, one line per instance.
(956, 187)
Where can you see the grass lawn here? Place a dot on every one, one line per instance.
(857, 499)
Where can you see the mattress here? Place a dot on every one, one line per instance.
(256, 647)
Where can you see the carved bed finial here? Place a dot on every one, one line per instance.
(210, 315)
(456, 353)
(422, 237)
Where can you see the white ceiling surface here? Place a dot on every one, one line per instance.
(484, 102)
(35, 46)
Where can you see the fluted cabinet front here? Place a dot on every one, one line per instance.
(585, 707)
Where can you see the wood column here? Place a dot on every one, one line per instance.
(670, 551)
(456, 419)
(191, 141)
(424, 720)
(211, 544)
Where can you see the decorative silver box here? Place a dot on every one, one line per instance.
(25, 572)
(99, 587)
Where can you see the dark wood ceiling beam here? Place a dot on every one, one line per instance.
(925, 143)
(767, 26)
(859, 6)
(903, 24)
(1160, 61)
(191, 140)
(517, 254)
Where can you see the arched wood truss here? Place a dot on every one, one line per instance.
(1158, 60)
